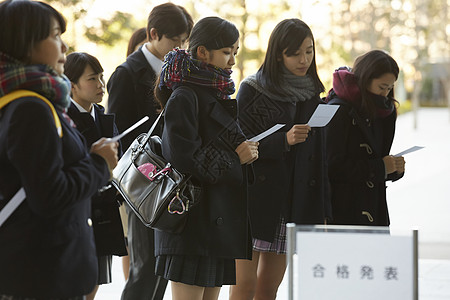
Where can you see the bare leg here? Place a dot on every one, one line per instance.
(126, 266)
(182, 291)
(271, 271)
(211, 293)
(246, 272)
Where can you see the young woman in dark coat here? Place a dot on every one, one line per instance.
(47, 248)
(360, 138)
(291, 178)
(201, 137)
(88, 87)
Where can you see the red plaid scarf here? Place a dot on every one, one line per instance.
(179, 67)
(42, 79)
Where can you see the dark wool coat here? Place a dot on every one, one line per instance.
(108, 230)
(290, 181)
(130, 90)
(356, 147)
(47, 245)
(199, 138)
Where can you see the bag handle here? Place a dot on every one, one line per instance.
(149, 133)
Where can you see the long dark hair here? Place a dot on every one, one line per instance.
(370, 66)
(23, 24)
(287, 36)
(211, 32)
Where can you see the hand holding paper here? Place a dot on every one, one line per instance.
(297, 134)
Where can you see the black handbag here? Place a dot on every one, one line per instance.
(157, 193)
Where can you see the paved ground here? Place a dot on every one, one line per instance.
(419, 200)
(434, 282)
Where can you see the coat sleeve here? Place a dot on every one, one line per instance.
(251, 108)
(122, 101)
(51, 183)
(344, 167)
(209, 161)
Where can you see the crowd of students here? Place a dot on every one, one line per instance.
(58, 244)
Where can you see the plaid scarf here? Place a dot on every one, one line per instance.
(179, 67)
(42, 79)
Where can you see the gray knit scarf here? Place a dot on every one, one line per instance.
(294, 88)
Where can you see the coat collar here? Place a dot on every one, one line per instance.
(103, 127)
(139, 65)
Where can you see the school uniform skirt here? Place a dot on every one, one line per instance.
(278, 245)
(202, 271)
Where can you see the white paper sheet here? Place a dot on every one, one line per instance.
(266, 133)
(322, 115)
(409, 150)
(130, 129)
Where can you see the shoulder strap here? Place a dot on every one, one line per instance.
(26, 93)
(149, 133)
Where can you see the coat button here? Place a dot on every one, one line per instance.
(370, 184)
(219, 221)
(89, 222)
(368, 149)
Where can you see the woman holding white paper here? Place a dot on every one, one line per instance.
(202, 137)
(290, 183)
(360, 138)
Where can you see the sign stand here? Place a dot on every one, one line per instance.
(351, 262)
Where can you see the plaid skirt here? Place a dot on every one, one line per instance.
(278, 245)
(202, 271)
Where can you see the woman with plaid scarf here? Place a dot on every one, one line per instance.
(201, 137)
(47, 245)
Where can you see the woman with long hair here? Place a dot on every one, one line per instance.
(360, 138)
(201, 137)
(291, 182)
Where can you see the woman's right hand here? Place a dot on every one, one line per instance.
(394, 164)
(106, 150)
(247, 152)
(297, 134)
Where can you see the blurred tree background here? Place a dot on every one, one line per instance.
(415, 32)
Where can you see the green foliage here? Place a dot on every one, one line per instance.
(113, 30)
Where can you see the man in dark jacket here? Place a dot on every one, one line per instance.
(130, 91)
